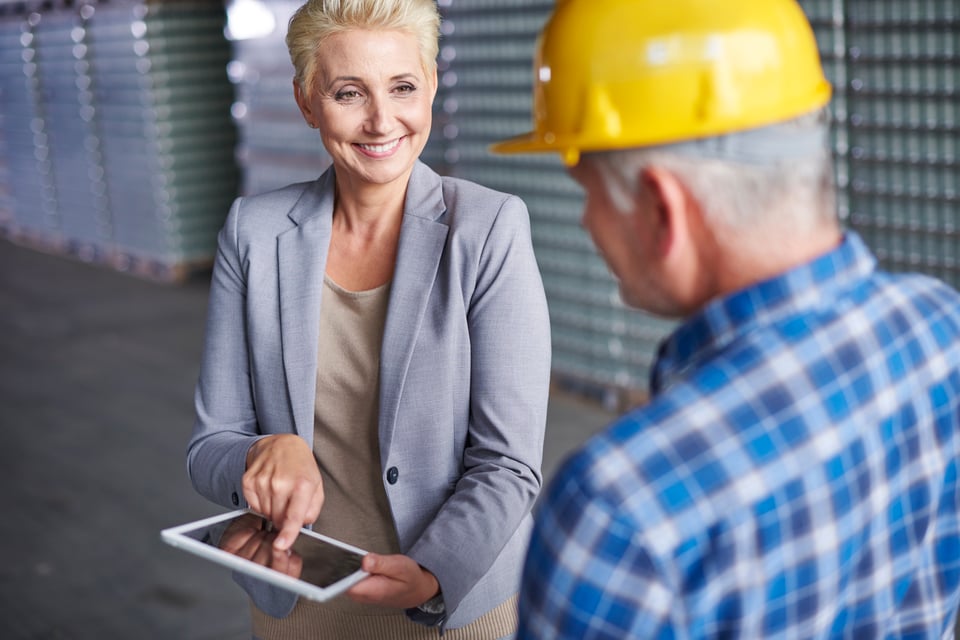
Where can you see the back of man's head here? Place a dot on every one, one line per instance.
(728, 96)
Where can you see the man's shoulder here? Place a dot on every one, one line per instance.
(919, 287)
(907, 306)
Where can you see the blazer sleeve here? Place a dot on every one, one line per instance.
(510, 346)
(226, 423)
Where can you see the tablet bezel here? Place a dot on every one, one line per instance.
(176, 537)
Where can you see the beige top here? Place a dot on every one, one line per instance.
(346, 445)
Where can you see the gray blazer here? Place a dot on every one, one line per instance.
(464, 373)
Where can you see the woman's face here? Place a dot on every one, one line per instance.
(372, 102)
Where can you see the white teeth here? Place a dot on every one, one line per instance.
(380, 148)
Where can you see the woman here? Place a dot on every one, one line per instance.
(377, 354)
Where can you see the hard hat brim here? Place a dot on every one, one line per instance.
(523, 143)
(532, 142)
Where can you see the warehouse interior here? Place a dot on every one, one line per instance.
(127, 127)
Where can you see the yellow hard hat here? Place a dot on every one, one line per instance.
(615, 74)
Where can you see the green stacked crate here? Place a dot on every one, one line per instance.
(30, 197)
(163, 106)
(118, 141)
(62, 43)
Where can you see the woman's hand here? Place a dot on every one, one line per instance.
(395, 581)
(283, 483)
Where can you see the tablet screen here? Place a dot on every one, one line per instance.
(251, 536)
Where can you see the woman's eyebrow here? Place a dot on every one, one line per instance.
(399, 76)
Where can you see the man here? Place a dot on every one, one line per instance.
(794, 473)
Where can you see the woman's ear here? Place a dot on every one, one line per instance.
(303, 103)
(436, 80)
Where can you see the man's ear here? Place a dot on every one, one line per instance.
(682, 239)
(670, 204)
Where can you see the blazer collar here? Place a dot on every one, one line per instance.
(424, 194)
(301, 262)
(424, 197)
(302, 256)
(422, 239)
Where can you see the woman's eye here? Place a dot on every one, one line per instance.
(406, 88)
(347, 94)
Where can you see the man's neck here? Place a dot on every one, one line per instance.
(759, 256)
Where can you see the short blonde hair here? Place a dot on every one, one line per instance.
(317, 20)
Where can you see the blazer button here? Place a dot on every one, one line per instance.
(392, 474)
(235, 499)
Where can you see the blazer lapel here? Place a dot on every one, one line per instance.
(422, 239)
(302, 257)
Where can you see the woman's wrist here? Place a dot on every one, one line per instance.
(434, 603)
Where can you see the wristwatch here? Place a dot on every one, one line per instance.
(434, 605)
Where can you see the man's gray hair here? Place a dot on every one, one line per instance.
(772, 176)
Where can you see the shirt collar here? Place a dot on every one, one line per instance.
(724, 319)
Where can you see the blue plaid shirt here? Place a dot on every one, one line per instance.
(794, 474)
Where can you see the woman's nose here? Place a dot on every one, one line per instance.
(378, 115)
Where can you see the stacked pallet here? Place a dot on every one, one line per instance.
(118, 143)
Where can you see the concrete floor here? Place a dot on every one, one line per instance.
(97, 370)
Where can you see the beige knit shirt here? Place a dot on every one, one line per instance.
(355, 509)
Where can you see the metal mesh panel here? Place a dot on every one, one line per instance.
(828, 22)
(904, 72)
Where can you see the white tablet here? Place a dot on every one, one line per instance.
(316, 566)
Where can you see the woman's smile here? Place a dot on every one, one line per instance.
(382, 150)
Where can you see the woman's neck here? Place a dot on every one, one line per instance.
(366, 208)
(366, 229)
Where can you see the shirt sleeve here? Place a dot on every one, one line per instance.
(586, 575)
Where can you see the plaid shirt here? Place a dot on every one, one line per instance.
(793, 476)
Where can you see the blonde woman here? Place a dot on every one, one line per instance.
(378, 352)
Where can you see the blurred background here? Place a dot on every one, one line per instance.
(127, 128)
